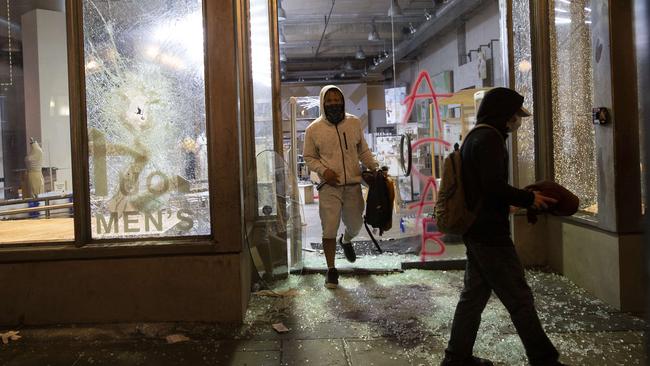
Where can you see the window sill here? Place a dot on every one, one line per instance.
(53, 252)
(580, 218)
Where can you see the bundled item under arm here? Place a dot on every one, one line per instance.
(567, 203)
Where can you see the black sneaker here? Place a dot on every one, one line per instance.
(472, 361)
(476, 361)
(332, 278)
(348, 250)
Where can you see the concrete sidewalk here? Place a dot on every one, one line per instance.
(396, 319)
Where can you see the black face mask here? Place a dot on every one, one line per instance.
(334, 113)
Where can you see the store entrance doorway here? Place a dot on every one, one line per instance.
(413, 240)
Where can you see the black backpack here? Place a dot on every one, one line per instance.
(379, 203)
(451, 211)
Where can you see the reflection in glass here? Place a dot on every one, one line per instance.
(145, 100)
(524, 85)
(263, 108)
(572, 90)
(276, 237)
(643, 166)
(35, 153)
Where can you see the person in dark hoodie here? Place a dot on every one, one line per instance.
(492, 263)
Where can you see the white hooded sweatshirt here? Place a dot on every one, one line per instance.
(337, 147)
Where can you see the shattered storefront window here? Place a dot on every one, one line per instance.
(524, 85)
(145, 104)
(572, 83)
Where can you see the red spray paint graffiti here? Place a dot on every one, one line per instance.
(429, 231)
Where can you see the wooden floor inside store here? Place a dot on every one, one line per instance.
(36, 230)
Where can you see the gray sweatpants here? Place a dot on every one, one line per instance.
(343, 202)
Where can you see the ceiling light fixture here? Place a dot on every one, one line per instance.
(412, 29)
(282, 39)
(394, 9)
(373, 35)
(427, 15)
(283, 56)
(348, 66)
(360, 55)
(282, 16)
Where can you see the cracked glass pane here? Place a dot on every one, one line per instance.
(524, 85)
(145, 103)
(572, 83)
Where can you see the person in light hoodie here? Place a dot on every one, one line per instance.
(334, 147)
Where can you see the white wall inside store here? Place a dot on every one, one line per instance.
(442, 52)
(47, 111)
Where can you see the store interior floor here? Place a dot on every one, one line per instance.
(399, 246)
(36, 230)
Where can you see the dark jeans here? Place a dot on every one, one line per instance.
(496, 268)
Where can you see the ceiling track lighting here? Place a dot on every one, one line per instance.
(360, 55)
(412, 29)
(373, 35)
(427, 15)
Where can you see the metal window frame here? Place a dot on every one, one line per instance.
(619, 198)
(224, 159)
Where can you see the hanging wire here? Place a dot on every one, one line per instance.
(327, 21)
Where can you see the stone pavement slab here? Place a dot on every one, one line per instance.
(384, 352)
(314, 352)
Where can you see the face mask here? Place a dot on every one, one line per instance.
(334, 113)
(514, 124)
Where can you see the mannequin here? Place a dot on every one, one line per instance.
(34, 176)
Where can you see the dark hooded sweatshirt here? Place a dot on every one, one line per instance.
(485, 170)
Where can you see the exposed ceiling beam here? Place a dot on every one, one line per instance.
(413, 17)
(339, 50)
(351, 42)
(328, 74)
